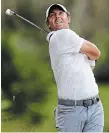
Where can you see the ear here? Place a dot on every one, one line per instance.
(49, 26)
(69, 18)
(47, 23)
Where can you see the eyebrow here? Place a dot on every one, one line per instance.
(54, 11)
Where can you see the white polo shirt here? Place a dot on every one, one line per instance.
(72, 72)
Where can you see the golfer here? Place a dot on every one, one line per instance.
(72, 58)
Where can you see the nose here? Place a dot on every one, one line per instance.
(57, 15)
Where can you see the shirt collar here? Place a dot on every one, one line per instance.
(49, 35)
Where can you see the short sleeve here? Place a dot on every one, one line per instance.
(68, 41)
(92, 63)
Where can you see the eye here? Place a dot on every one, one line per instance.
(61, 13)
(51, 15)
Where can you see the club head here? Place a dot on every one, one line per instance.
(9, 12)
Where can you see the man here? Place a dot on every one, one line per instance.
(79, 107)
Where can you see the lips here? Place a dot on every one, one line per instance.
(58, 24)
(58, 21)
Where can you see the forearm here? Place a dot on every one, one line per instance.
(90, 49)
(92, 57)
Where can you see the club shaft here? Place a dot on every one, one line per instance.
(30, 22)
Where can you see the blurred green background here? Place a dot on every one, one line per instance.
(28, 90)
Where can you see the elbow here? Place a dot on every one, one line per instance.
(98, 54)
(94, 56)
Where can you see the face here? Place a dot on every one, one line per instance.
(58, 19)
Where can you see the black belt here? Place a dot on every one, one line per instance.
(85, 103)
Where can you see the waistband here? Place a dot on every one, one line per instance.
(85, 103)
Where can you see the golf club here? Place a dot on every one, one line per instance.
(10, 13)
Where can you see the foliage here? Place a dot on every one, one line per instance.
(32, 70)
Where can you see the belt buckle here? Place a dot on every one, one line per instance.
(85, 103)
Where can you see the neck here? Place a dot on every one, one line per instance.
(60, 28)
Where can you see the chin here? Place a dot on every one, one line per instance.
(59, 28)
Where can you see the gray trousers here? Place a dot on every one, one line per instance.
(80, 118)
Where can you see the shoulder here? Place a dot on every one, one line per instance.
(65, 31)
(62, 34)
